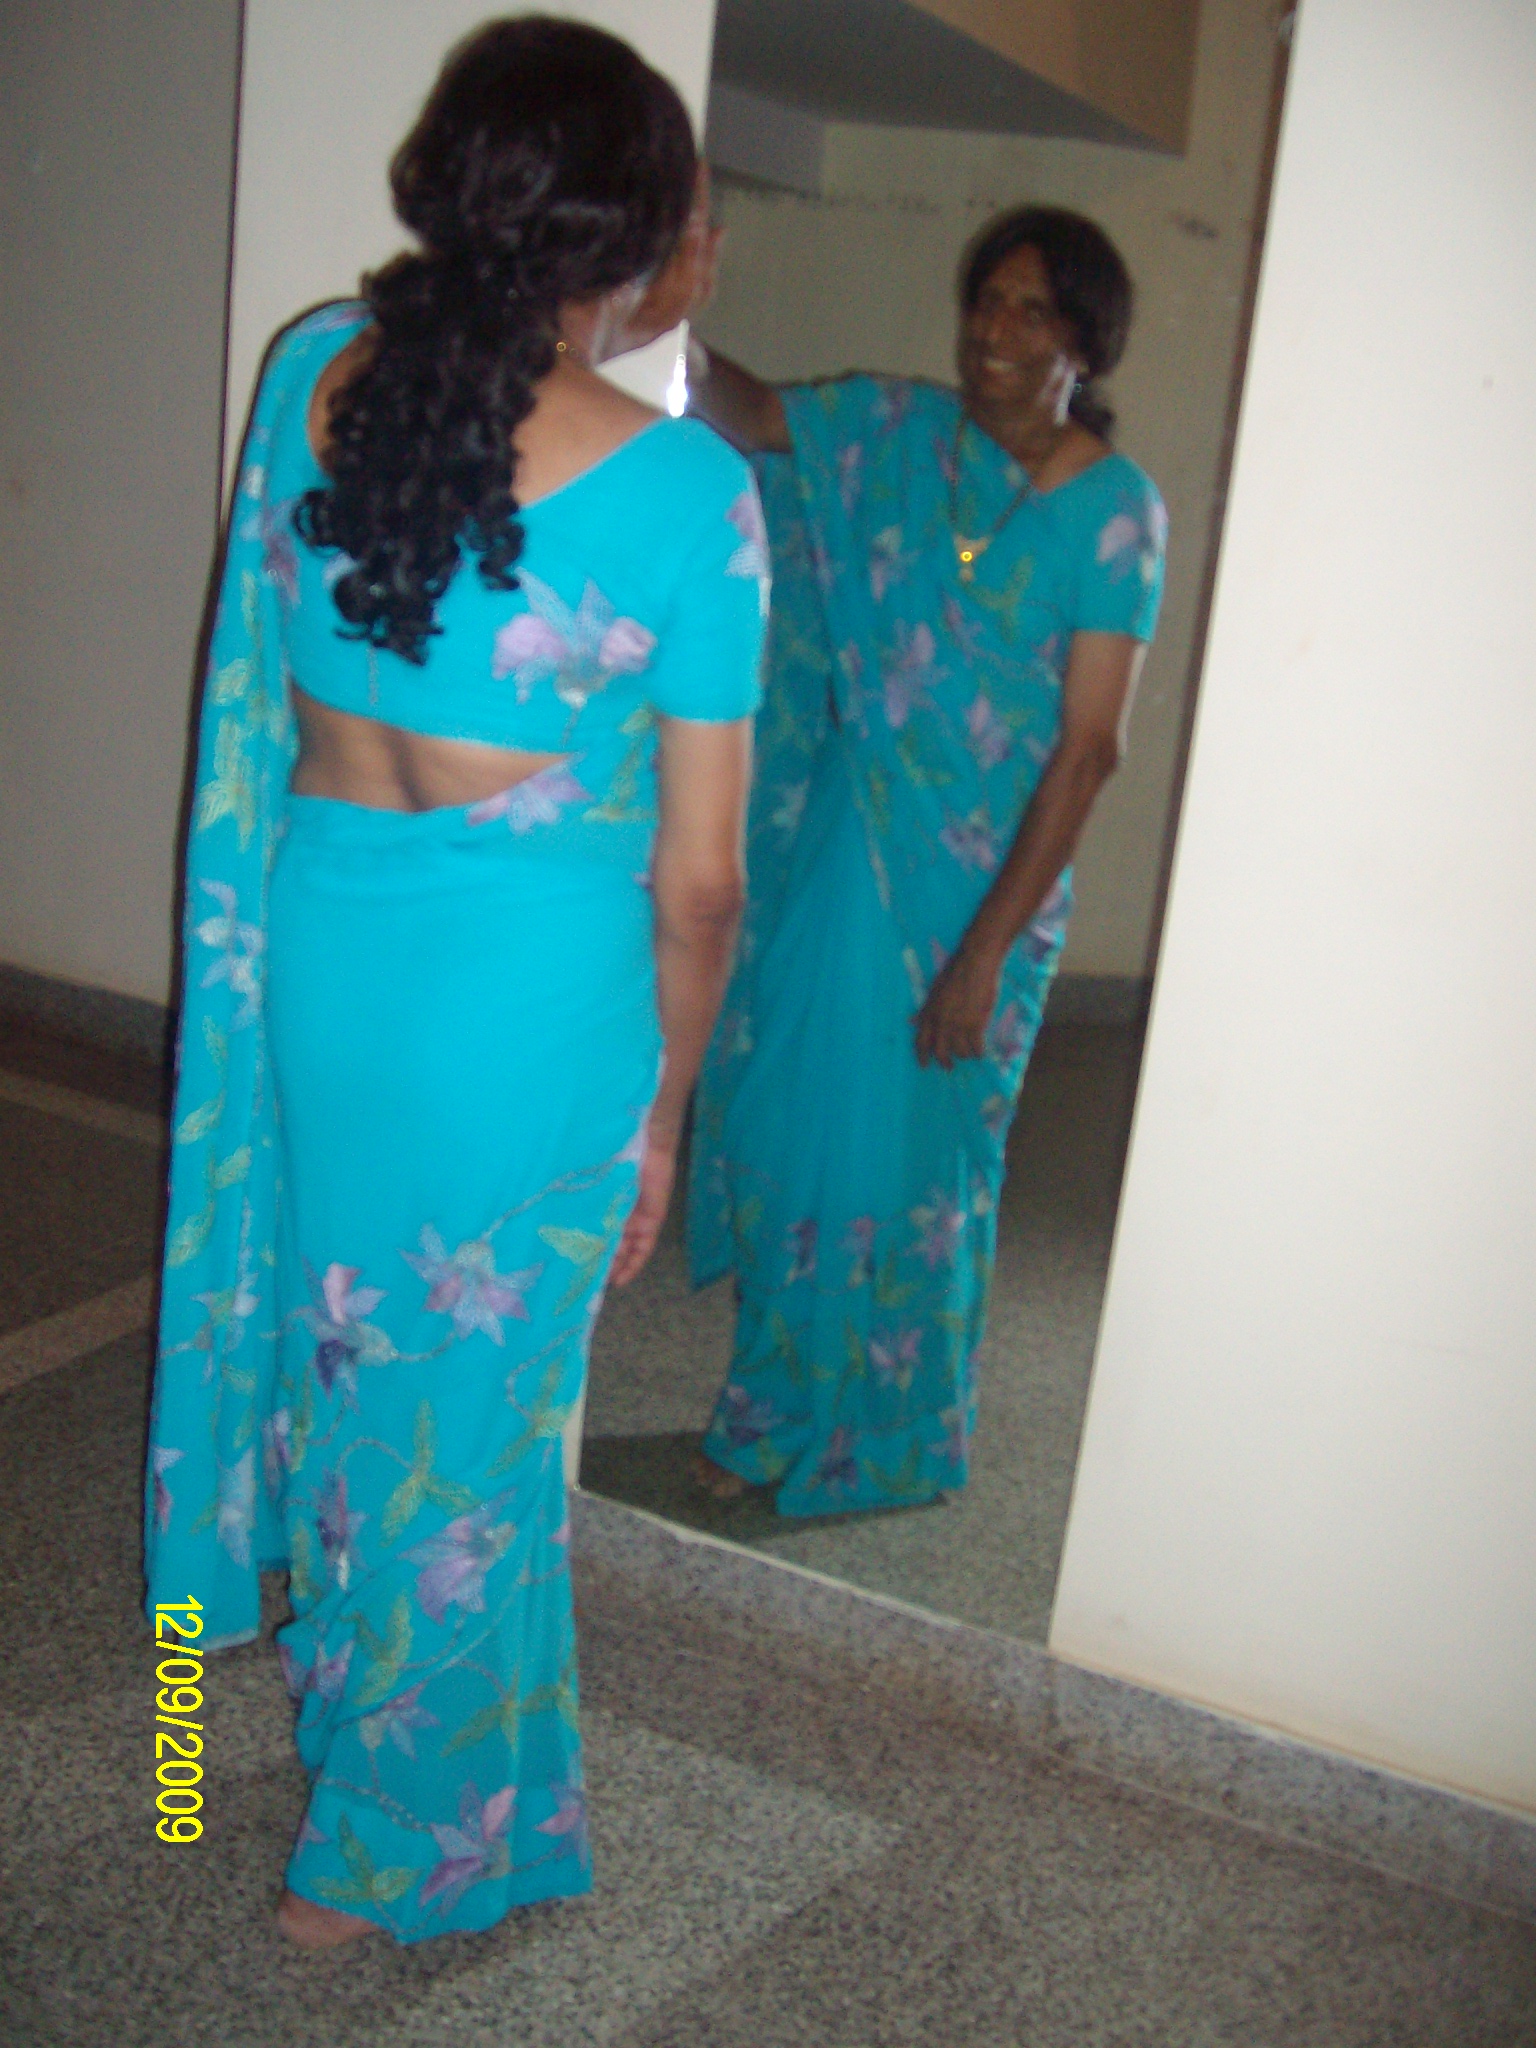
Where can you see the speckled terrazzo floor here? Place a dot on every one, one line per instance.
(989, 1555)
(788, 1852)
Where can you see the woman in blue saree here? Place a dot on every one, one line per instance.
(463, 878)
(964, 586)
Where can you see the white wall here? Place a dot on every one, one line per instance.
(327, 93)
(862, 277)
(1306, 1489)
(116, 149)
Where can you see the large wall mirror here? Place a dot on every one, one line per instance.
(860, 145)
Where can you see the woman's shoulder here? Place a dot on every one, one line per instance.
(870, 400)
(695, 464)
(1117, 477)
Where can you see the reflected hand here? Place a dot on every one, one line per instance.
(952, 1024)
(685, 284)
(658, 1170)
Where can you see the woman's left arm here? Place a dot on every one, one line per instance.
(1102, 670)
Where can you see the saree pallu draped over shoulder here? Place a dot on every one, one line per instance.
(417, 1055)
(908, 717)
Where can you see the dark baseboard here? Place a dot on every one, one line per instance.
(94, 1016)
(1098, 999)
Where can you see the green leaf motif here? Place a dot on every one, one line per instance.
(891, 1293)
(403, 1506)
(199, 1122)
(190, 1236)
(387, 1654)
(585, 1249)
(904, 1482)
(231, 1171)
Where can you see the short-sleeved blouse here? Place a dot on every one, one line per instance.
(642, 589)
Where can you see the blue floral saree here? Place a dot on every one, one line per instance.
(417, 1053)
(909, 714)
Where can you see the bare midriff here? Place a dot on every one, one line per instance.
(384, 768)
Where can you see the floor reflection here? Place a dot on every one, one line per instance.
(987, 1556)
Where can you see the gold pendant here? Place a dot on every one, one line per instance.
(966, 552)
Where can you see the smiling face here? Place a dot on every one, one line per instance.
(1018, 357)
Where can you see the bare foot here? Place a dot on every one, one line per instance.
(715, 1480)
(313, 1927)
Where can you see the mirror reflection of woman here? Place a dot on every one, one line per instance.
(965, 585)
(463, 881)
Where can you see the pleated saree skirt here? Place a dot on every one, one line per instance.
(465, 1046)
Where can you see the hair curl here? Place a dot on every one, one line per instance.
(1089, 282)
(549, 165)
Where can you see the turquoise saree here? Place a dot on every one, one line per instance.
(851, 1194)
(417, 1054)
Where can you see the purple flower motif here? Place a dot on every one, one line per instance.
(960, 626)
(986, 735)
(850, 474)
(277, 1448)
(1045, 930)
(941, 1226)
(744, 1421)
(896, 1355)
(892, 404)
(752, 557)
(1005, 1038)
(524, 647)
(475, 1849)
(326, 1677)
(238, 947)
(467, 1286)
(800, 1238)
(859, 1238)
(1118, 537)
(838, 1469)
(455, 1561)
(279, 556)
(536, 800)
(907, 672)
(162, 1457)
(338, 1527)
(309, 1833)
(823, 568)
(398, 1719)
(995, 1114)
(579, 652)
(791, 807)
(568, 1822)
(888, 562)
(237, 1507)
(944, 456)
(971, 841)
(334, 1315)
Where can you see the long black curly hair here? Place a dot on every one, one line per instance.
(549, 165)
(1089, 282)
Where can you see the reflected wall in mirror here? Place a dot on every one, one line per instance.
(858, 272)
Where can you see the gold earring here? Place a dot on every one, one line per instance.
(562, 348)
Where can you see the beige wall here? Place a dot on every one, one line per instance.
(862, 278)
(116, 140)
(1305, 1491)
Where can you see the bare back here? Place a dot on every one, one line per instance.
(578, 419)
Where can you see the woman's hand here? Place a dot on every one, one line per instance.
(952, 1024)
(685, 283)
(658, 1170)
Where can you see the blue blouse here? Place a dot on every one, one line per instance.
(642, 590)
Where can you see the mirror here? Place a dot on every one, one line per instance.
(841, 253)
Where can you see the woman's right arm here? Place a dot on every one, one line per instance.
(745, 409)
(698, 888)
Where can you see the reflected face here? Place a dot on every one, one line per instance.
(1016, 353)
